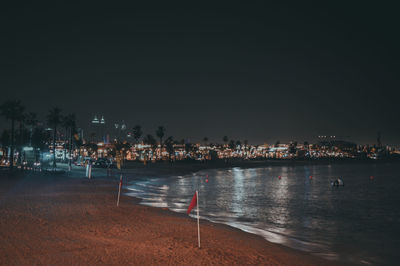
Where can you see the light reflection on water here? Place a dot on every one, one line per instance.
(349, 224)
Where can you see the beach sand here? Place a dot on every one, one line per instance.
(50, 219)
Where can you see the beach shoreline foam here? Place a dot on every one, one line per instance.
(47, 219)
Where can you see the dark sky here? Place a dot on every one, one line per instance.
(262, 72)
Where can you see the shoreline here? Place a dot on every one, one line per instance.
(61, 214)
(188, 167)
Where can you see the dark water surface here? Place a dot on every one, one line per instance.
(358, 223)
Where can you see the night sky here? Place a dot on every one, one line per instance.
(262, 72)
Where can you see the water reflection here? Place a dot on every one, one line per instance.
(238, 195)
(296, 211)
(278, 189)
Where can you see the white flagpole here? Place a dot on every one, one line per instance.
(90, 170)
(198, 217)
(119, 189)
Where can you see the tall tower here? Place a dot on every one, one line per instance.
(98, 128)
(95, 120)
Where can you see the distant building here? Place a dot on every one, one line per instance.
(97, 130)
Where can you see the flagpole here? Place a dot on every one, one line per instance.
(198, 217)
(119, 189)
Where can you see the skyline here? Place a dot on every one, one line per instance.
(99, 128)
(260, 72)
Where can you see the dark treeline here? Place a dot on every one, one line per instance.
(60, 131)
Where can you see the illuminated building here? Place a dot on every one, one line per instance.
(97, 129)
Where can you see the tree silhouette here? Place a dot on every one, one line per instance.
(31, 121)
(225, 139)
(188, 147)
(150, 140)
(38, 140)
(121, 149)
(78, 142)
(91, 148)
(232, 144)
(160, 132)
(292, 147)
(69, 123)
(5, 141)
(54, 119)
(238, 144)
(5, 138)
(306, 145)
(169, 145)
(245, 142)
(12, 110)
(21, 139)
(137, 132)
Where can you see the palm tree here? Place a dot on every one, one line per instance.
(5, 141)
(160, 132)
(21, 135)
(225, 139)
(238, 144)
(78, 143)
(188, 149)
(169, 145)
(137, 132)
(150, 140)
(31, 121)
(232, 144)
(54, 118)
(69, 123)
(12, 110)
(306, 145)
(121, 149)
(39, 139)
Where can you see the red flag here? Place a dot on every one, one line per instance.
(193, 203)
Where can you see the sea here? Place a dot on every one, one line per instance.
(296, 206)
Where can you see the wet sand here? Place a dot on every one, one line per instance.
(50, 219)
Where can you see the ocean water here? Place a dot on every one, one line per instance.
(358, 223)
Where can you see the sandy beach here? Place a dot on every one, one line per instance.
(49, 219)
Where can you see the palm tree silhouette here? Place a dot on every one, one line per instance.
(225, 139)
(238, 144)
(21, 135)
(39, 139)
(54, 118)
(169, 145)
(69, 123)
(160, 132)
(12, 110)
(232, 144)
(31, 121)
(122, 149)
(137, 132)
(150, 140)
(5, 141)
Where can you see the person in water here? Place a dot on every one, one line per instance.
(337, 182)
